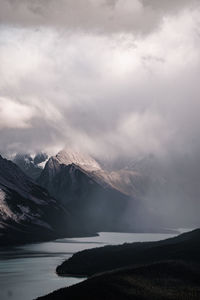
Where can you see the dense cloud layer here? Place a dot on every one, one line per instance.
(92, 15)
(123, 93)
(116, 78)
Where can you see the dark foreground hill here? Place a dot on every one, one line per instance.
(159, 281)
(168, 269)
(185, 247)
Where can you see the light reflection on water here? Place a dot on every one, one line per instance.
(28, 271)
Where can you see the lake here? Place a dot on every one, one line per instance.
(28, 271)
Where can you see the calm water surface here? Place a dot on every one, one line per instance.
(28, 271)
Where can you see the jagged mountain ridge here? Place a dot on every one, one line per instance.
(127, 181)
(31, 165)
(83, 160)
(27, 212)
(80, 184)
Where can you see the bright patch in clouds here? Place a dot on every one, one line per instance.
(14, 114)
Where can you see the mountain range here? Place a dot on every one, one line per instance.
(90, 196)
(71, 195)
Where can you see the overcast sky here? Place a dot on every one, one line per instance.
(108, 76)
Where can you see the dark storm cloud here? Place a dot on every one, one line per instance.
(141, 16)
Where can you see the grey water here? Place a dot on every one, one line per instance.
(28, 271)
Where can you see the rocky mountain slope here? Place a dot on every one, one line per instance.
(80, 184)
(27, 212)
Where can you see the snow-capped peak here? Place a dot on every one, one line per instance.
(86, 162)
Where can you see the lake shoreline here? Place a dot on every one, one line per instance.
(28, 271)
(121, 267)
(84, 235)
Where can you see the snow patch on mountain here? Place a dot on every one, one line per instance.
(31, 164)
(42, 164)
(24, 213)
(5, 211)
